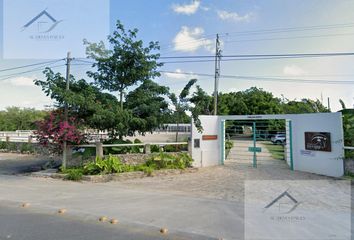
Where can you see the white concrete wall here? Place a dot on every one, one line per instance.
(209, 152)
(325, 163)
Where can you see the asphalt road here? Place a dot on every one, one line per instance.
(16, 163)
(25, 224)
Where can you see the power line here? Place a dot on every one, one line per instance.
(291, 29)
(294, 37)
(31, 65)
(263, 31)
(83, 61)
(5, 77)
(265, 55)
(272, 79)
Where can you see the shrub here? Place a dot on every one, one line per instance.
(111, 164)
(3, 145)
(169, 161)
(11, 146)
(26, 147)
(85, 153)
(53, 131)
(228, 145)
(73, 174)
(122, 150)
(155, 148)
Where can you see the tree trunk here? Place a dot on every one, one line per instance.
(121, 99)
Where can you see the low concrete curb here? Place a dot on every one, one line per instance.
(51, 173)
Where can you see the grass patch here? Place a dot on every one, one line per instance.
(277, 151)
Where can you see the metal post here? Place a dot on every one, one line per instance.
(291, 146)
(254, 145)
(222, 139)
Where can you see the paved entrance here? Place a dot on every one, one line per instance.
(241, 157)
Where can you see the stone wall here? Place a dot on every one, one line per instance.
(130, 159)
(24, 147)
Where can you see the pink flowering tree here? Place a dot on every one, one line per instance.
(53, 131)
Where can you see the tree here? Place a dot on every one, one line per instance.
(203, 103)
(348, 127)
(53, 131)
(303, 106)
(181, 103)
(148, 105)
(127, 64)
(15, 118)
(91, 107)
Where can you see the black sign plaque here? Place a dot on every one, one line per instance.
(318, 141)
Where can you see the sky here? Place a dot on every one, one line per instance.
(189, 28)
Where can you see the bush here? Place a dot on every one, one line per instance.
(26, 147)
(11, 146)
(86, 153)
(113, 164)
(155, 148)
(108, 165)
(3, 145)
(122, 150)
(228, 145)
(169, 161)
(73, 174)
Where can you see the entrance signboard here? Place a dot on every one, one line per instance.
(318, 141)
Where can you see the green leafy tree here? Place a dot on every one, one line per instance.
(181, 103)
(348, 128)
(91, 107)
(303, 106)
(15, 118)
(203, 103)
(128, 63)
(148, 105)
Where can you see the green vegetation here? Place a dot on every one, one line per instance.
(14, 118)
(277, 151)
(73, 174)
(113, 164)
(228, 145)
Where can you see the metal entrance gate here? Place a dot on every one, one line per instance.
(257, 142)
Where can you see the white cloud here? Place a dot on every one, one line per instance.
(187, 9)
(293, 70)
(190, 40)
(233, 16)
(179, 75)
(21, 81)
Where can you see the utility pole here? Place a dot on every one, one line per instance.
(328, 104)
(66, 118)
(217, 73)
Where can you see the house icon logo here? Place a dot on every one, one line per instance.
(285, 203)
(44, 22)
